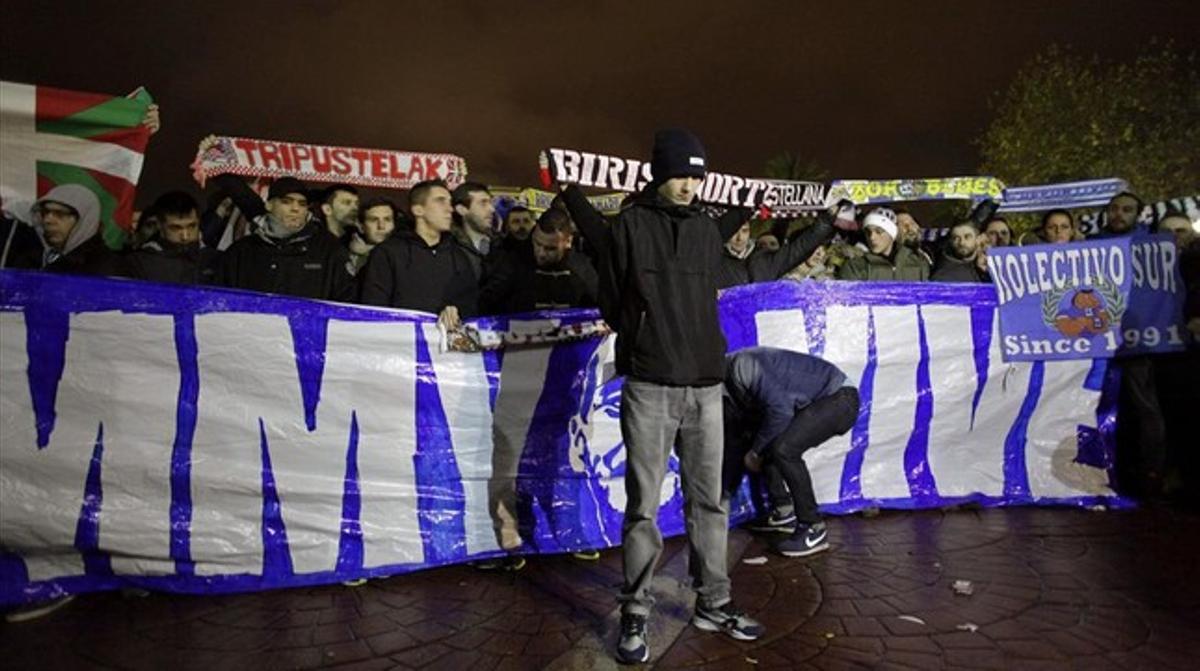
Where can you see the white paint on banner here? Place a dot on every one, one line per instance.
(846, 348)
(247, 372)
(783, 329)
(521, 381)
(102, 381)
(1052, 442)
(965, 459)
(131, 357)
(34, 519)
(385, 398)
(463, 387)
(893, 403)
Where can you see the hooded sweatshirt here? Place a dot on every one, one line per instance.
(84, 252)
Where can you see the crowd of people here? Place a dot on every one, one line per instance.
(654, 270)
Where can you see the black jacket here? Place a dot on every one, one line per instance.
(767, 266)
(309, 264)
(517, 284)
(405, 272)
(658, 289)
(93, 257)
(950, 269)
(175, 266)
(20, 245)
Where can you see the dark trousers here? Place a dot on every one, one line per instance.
(814, 424)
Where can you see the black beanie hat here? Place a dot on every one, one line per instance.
(677, 153)
(286, 185)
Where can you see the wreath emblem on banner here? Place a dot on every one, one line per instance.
(910, 188)
(1083, 312)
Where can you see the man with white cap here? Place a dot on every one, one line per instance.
(886, 260)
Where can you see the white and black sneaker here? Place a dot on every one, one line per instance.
(807, 540)
(633, 647)
(774, 522)
(729, 620)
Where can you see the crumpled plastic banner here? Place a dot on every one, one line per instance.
(206, 440)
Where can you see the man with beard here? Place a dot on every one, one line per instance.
(339, 207)
(551, 277)
(959, 260)
(1121, 215)
(908, 231)
(518, 223)
(472, 228)
(174, 255)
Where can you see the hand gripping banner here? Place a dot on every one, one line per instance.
(381, 168)
(782, 198)
(205, 440)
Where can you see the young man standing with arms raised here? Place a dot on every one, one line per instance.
(658, 291)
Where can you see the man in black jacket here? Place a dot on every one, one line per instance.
(174, 254)
(547, 276)
(959, 259)
(658, 291)
(425, 268)
(742, 262)
(289, 252)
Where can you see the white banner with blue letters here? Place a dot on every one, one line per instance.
(201, 440)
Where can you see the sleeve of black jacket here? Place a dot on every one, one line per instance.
(614, 267)
(377, 278)
(591, 224)
(342, 285)
(497, 287)
(770, 266)
(243, 196)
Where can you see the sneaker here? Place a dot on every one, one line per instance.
(774, 522)
(633, 647)
(586, 555)
(806, 540)
(505, 563)
(728, 619)
(36, 610)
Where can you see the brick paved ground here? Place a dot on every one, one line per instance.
(1053, 589)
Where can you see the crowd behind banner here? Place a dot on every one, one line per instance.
(460, 249)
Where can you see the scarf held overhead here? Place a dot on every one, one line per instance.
(380, 168)
(783, 198)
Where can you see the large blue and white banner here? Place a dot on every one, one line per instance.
(209, 440)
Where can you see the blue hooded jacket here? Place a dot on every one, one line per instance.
(765, 386)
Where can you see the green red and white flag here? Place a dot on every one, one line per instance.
(54, 136)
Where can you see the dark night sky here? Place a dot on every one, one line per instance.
(867, 89)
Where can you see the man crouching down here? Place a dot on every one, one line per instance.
(778, 405)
